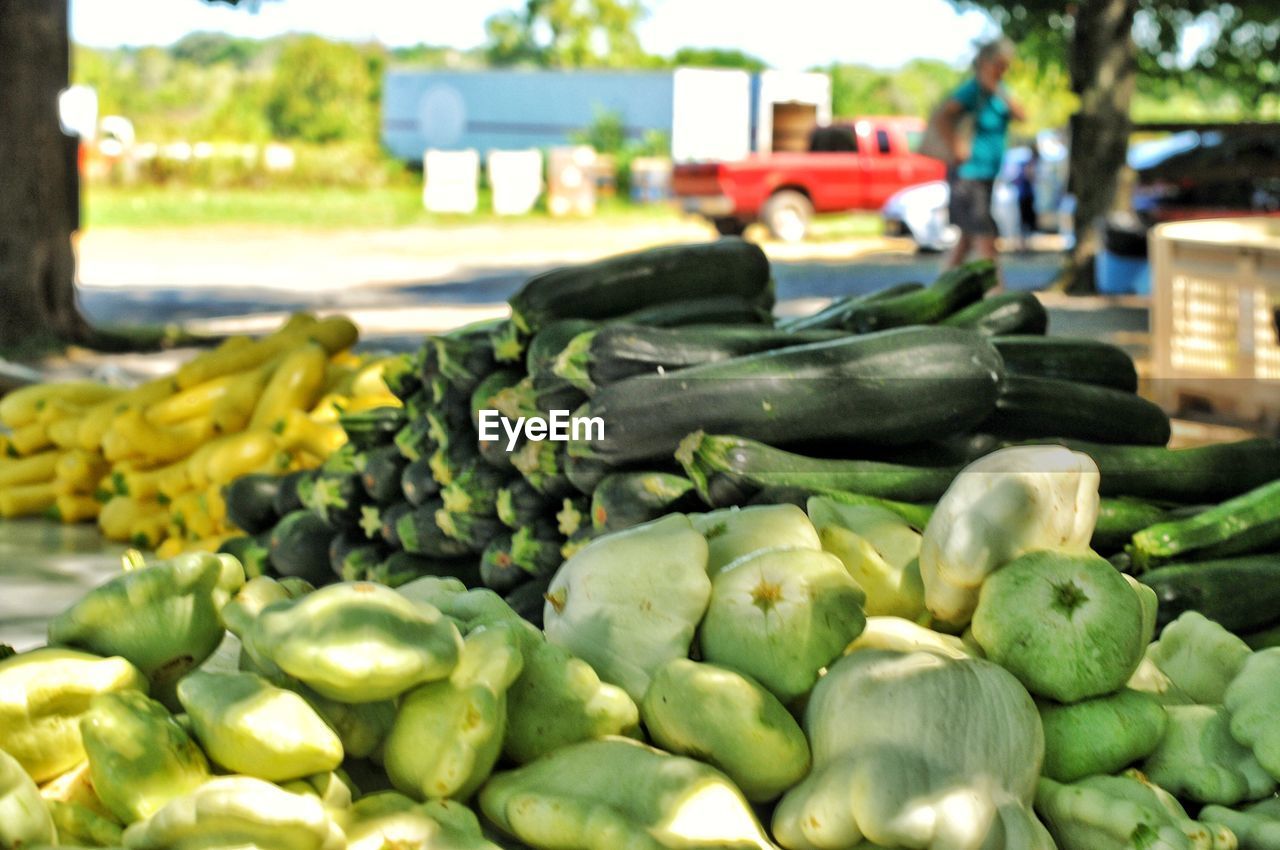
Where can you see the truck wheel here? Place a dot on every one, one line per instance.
(787, 215)
(728, 226)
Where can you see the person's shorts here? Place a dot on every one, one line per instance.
(970, 207)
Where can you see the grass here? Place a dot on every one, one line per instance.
(320, 207)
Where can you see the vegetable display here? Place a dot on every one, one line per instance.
(848, 581)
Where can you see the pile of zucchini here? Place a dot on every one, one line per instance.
(709, 402)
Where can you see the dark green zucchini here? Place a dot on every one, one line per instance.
(463, 360)
(535, 549)
(416, 482)
(401, 375)
(360, 563)
(917, 515)
(251, 551)
(475, 491)
(585, 474)
(506, 344)
(1247, 523)
(898, 387)
(520, 504)
(1028, 408)
(541, 462)
(390, 517)
(835, 315)
(482, 397)
(1241, 594)
(448, 462)
(615, 352)
(471, 531)
(1196, 475)
(420, 533)
(403, 567)
(624, 499)
(1003, 314)
(718, 309)
(727, 470)
(524, 399)
(1119, 519)
(546, 346)
(342, 544)
(299, 547)
(251, 502)
(380, 473)
(577, 542)
(414, 441)
(369, 428)
(529, 599)
(952, 291)
(1085, 361)
(498, 571)
(628, 282)
(287, 500)
(336, 497)
(574, 514)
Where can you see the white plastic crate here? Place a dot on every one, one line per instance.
(449, 181)
(1215, 293)
(516, 180)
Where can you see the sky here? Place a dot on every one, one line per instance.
(788, 34)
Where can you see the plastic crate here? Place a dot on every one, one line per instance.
(1215, 297)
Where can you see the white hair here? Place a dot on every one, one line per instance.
(999, 48)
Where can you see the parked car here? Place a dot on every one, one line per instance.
(1207, 174)
(852, 165)
(920, 212)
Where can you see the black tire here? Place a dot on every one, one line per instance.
(787, 214)
(729, 226)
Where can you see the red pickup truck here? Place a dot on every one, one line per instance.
(850, 165)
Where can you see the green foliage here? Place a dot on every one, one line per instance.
(568, 34)
(718, 57)
(325, 91)
(913, 89)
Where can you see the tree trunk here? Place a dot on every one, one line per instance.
(39, 180)
(1103, 68)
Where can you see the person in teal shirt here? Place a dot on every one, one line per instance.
(976, 156)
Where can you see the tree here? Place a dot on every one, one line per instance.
(568, 34)
(718, 57)
(324, 91)
(1104, 45)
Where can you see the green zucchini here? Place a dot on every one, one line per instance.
(414, 440)
(336, 497)
(1195, 475)
(471, 531)
(401, 375)
(475, 491)
(916, 514)
(420, 533)
(546, 346)
(898, 387)
(251, 551)
(1241, 594)
(1028, 408)
(448, 462)
(403, 567)
(389, 519)
(529, 599)
(577, 542)
(1119, 519)
(952, 291)
(287, 500)
(718, 309)
(615, 352)
(299, 547)
(482, 397)
(836, 314)
(536, 549)
(628, 282)
(624, 499)
(1249, 522)
(1003, 314)
(1264, 638)
(541, 462)
(525, 399)
(520, 504)
(360, 563)
(380, 473)
(498, 571)
(417, 483)
(369, 428)
(727, 470)
(585, 474)
(1085, 361)
(251, 500)
(341, 545)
